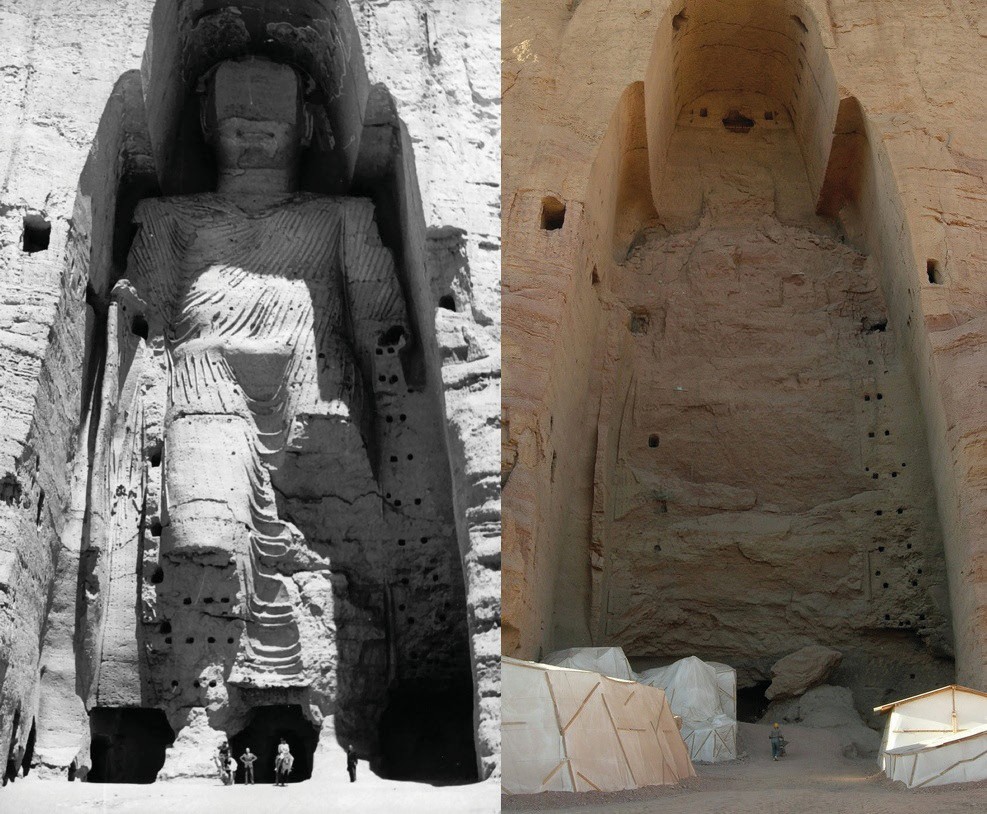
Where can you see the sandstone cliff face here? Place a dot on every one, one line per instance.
(78, 153)
(745, 405)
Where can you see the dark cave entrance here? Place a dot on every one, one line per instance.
(28, 758)
(426, 734)
(10, 772)
(128, 745)
(268, 724)
(752, 703)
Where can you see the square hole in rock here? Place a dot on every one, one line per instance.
(552, 213)
(37, 233)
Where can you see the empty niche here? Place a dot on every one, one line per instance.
(448, 302)
(934, 272)
(37, 233)
(552, 213)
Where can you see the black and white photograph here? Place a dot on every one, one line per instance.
(249, 406)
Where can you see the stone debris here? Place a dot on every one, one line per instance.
(799, 671)
(828, 707)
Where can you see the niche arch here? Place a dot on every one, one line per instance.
(752, 153)
(400, 609)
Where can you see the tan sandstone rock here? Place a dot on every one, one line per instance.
(744, 335)
(801, 670)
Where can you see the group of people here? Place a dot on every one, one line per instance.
(283, 763)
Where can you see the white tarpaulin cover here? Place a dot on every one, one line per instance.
(936, 738)
(726, 680)
(608, 661)
(573, 730)
(705, 697)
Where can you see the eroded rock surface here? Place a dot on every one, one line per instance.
(256, 438)
(798, 671)
(742, 410)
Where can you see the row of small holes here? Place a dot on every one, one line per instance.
(403, 542)
(191, 640)
(880, 548)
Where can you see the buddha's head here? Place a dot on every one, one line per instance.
(254, 117)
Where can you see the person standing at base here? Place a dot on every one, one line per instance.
(351, 761)
(248, 759)
(777, 742)
(223, 761)
(282, 763)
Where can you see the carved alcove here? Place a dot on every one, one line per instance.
(330, 580)
(761, 471)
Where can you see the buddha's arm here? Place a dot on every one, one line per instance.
(126, 482)
(374, 297)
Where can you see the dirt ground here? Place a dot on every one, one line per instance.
(368, 795)
(814, 778)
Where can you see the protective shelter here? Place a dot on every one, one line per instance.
(574, 730)
(936, 738)
(704, 696)
(608, 661)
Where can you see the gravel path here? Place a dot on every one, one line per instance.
(814, 778)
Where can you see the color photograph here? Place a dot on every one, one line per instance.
(745, 406)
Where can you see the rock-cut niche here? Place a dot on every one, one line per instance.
(270, 548)
(762, 479)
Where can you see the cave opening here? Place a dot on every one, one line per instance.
(29, 749)
(736, 122)
(266, 726)
(10, 773)
(139, 326)
(128, 744)
(752, 702)
(426, 734)
(37, 234)
(552, 214)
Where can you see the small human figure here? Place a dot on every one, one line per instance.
(248, 759)
(223, 763)
(282, 763)
(351, 761)
(777, 742)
